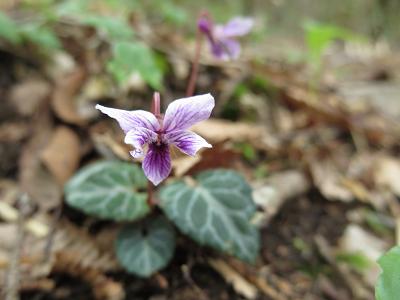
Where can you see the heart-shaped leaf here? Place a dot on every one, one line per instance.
(388, 287)
(109, 190)
(216, 211)
(146, 248)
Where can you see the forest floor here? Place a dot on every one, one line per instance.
(320, 151)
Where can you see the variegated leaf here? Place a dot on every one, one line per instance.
(146, 248)
(216, 211)
(109, 190)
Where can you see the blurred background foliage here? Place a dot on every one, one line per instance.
(311, 23)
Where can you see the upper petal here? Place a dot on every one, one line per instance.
(183, 113)
(157, 163)
(137, 138)
(131, 119)
(188, 142)
(237, 26)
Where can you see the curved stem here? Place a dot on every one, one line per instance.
(150, 194)
(195, 66)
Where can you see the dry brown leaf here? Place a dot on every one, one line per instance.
(272, 193)
(231, 276)
(353, 282)
(109, 142)
(34, 178)
(104, 288)
(62, 154)
(357, 240)
(8, 236)
(13, 132)
(89, 252)
(28, 95)
(219, 156)
(216, 130)
(64, 97)
(329, 181)
(33, 225)
(387, 174)
(182, 165)
(37, 260)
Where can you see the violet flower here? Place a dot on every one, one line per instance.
(223, 38)
(159, 132)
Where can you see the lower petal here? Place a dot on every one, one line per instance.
(231, 47)
(188, 142)
(157, 163)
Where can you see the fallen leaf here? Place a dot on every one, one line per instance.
(329, 181)
(357, 240)
(219, 156)
(65, 95)
(216, 130)
(28, 95)
(272, 193)
(231, 276)
(109, 142)
(62, 154)
(8, 233)
(387, 174)
(34, 178)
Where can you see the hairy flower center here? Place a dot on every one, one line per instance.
(159, 146)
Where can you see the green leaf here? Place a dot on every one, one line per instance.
(173, 13)
(320, 36)
(114, 28)
(147, 248)
(43, 37)
(215, 212)
(72, 7)
(356, 260)
(388, 287)
(129, 57)
(109, 190)
(9, 29)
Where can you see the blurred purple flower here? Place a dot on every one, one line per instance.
(143, 127)
(222, 38)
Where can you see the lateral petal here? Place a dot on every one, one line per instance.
(184, 113)
(157, 163)
(137, 138)
(188, 142)
(131, 119)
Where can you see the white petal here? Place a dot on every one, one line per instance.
(184, 113)
(188, 142)
(131, 119)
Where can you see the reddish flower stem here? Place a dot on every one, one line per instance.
(155, 107)
(150, 194)
(195, 65)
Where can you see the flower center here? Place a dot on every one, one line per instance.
(159, 146)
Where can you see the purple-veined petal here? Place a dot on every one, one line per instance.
(227, 49)
(183, 113)
(238, 26)
(131, 119)
(137, 138)
(188, 142)
(217, 49)
(157, 163)
(231, 49)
